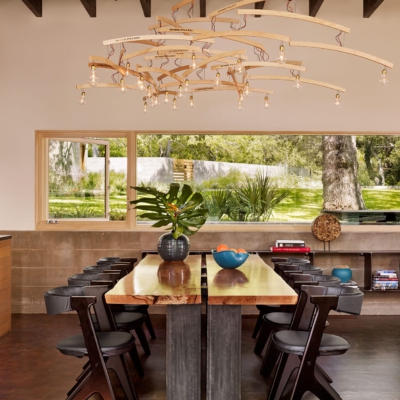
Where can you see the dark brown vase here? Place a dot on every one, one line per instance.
(171, 249)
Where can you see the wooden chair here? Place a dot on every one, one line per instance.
(105, 350)
(301, 373)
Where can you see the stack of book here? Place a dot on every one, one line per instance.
(290, 246)
(385, 279)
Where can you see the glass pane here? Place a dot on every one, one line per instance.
(76, 180)
(275, 178)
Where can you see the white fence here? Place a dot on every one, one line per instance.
(159, 169)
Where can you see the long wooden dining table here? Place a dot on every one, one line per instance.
(178, 286)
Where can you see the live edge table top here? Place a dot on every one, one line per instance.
(154, 281)
(254, 282)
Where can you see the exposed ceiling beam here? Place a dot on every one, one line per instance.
(203, 8)
(90, 6)
(370, 6)
(259, 6)
(146, 5)
(314, 6)
(35, 6)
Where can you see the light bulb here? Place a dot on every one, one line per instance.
(82, 100)
(383, 81)
(186, 85)
(191, 102)
(297, 84)
(140, 83)
(174, 105)
(239, 106)
(194, 65)
(181, 93)
(266, 103)
(145, 108)
(217, 81)
(122, 87)
(247, 92)
(149, 92)
(128, 66)
(337, 102)
(152, 105)
(93, 79)
(241, 97)
(239, 69)
(166, 98)
(156, 101)
(281, 56)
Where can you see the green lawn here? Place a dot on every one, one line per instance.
(300, 205)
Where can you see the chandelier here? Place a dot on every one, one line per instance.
(178, 60)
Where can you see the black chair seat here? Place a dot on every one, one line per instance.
(123, 318)
(278, 318)
(134, 308)
(294, 342)
(111, 344)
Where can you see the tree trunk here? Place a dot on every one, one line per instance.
(341, 189)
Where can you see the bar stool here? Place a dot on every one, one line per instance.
(304, 347)
(105, 350)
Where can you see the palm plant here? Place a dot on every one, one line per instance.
(256, 199)
(217, 202)
(181, 210)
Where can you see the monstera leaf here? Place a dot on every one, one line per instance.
(179, 211)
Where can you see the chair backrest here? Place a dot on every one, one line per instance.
(104, 315)
(58, 299)
(107, 260)
(298, 260)
(85, 279)
(124, 267)
(304, 314)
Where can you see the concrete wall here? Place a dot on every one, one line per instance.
(42, 260)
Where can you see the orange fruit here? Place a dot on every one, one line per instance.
(241, 251)
(222, 247)
(232, 249)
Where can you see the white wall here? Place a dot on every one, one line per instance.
(42, 59)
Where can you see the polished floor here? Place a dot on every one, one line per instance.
(31, 367)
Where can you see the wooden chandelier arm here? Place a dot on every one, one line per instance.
(174, 71)
(231, 7)
(214, 58)
(170, 48)
(302, 17)
(176, 7)
(341, 49)
(258, 64)
(197, 82)
(256, 34)
(207, 89)
(161, 71)
(302, 80)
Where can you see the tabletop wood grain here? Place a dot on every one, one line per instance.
(154, 281)
(252, 283)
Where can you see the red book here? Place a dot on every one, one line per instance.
(290, 249)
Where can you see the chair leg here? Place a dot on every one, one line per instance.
(258, 325)
(263, 337)
(136, 361)
(143, 340)
(95, 382)
(119, 365)
(279, 373)
(149, 325)
(270, 359)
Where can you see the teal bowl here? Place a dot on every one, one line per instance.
(344, 274)
(229, 258)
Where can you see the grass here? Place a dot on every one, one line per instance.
(301, 205)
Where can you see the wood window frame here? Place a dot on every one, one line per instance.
(41, 187)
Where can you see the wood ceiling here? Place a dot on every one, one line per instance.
(36, 6)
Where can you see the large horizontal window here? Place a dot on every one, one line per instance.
(280, 179)
(84, 178)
